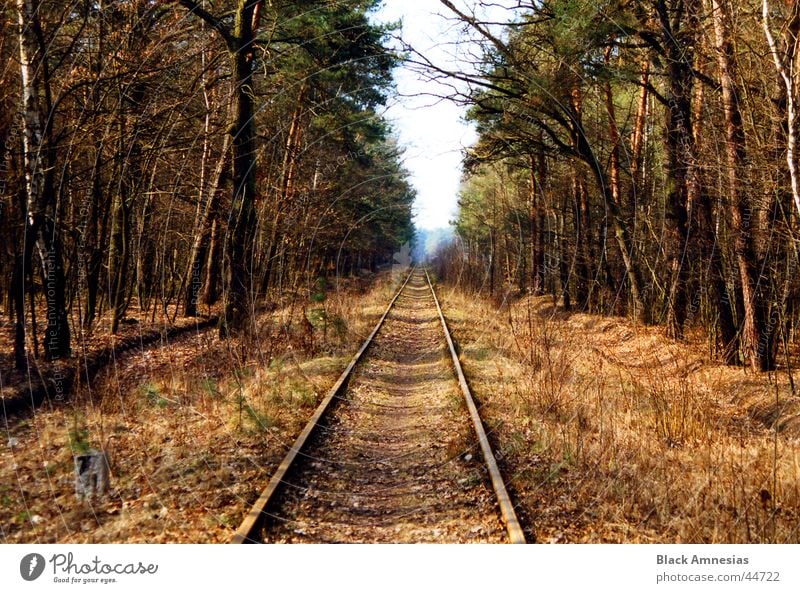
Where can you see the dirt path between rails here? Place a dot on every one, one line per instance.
(396, 460)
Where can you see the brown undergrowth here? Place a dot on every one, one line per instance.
(86, 342)
(610, 432)
(193, 427)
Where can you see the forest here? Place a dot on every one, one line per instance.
(640, 159)
(170, 157)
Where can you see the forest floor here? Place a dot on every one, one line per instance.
(606, 431)
(610, 432)
(135, 323)
(46, 382)
(193, 427)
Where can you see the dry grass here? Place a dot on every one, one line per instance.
(193, 428)
(612, 433)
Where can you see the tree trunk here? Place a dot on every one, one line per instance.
(754, 338)
(41, 221)
(563, 262)
(240, 227)
(288, 169)
(200, 247)
(710, 242)
(622, 234)
(784, 68)
(535, 230)
(18, 300)
(211, 284)
(118, 256)
(637, 136)
(584, 257)
(681, 155)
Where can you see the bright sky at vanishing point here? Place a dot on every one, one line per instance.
(432, 131)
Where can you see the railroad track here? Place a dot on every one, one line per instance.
(390, 454)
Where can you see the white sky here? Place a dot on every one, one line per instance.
(432, 132)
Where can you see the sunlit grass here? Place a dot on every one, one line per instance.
(614, 433)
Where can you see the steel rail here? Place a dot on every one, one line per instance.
(253, 522)
(515, 533)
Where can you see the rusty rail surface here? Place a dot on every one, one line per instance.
(515, 534)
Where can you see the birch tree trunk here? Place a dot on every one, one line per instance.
(41, 226)
(784, 66)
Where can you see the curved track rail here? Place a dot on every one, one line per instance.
(251, 527)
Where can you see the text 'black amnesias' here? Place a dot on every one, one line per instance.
(695, 559)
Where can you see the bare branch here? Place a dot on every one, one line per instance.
(209, 19)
